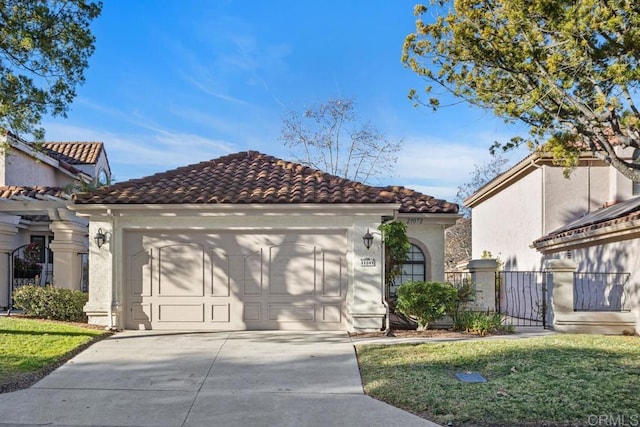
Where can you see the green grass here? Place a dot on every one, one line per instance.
(31, 348)
(557, 380)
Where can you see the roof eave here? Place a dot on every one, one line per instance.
(25, 148)
(237, 208)
(621, 231)
(533, 161)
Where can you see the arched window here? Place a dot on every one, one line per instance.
(103, 178)
(414, 269)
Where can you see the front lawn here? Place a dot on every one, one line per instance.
(559, 380)
(30, 348)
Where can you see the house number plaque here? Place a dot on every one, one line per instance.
(367, 262)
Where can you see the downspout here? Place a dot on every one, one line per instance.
(542, 194)
(387, 326)
(111, 297)
(589, 188)
(9, 283)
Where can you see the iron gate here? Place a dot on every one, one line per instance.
(521, 296)
(26, 268)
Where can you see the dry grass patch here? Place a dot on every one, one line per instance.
(560, 380)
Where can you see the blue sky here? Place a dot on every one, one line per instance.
(178, 82)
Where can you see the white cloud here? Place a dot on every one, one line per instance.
(437, 167)
(133, 156)
(433, 159)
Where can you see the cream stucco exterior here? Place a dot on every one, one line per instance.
(29, 210)
(364, 303)
(532, 199)
(609, 249)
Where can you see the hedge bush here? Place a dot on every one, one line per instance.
(51, 303)
(426, 301)
(481, 323)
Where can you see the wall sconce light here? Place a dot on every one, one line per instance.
(367, 239)
(100, 238)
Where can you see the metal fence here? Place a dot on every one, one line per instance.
(600, 291)
(521, 296)
(457, 278)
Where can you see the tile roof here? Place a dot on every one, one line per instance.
(619, 213)
(74, 153)
(40, 192)
(253, 177)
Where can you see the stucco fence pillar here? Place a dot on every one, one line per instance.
(69, 241)
(483, 277)
(8, 232)
(566, 319)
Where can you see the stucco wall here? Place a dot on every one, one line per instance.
(508, 222)
(430, 233)
(567, 199)
(364, 297)
(539, 203)
(605, 317)
(94, 170)
(23, 170)
(614, 257)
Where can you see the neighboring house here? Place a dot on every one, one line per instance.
(35, 187)
(249, 241)
(604, 247)
(533, 199)
(584, 231)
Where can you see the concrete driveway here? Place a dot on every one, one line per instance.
(206, 379)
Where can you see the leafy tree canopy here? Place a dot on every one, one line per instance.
(330, 137)
(396, 249)
(568, 69)
(44, 49)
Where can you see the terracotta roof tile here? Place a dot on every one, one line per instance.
(74, 153)
(40, 192)
(620, 213)
(252, 177)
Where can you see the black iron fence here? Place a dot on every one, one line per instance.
(600, 291)
(521, 296)
(462, 282)
(457, 278)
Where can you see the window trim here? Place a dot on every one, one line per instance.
(426, 263)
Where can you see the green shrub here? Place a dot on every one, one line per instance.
(480, 323)
(426, 301)
(51, 303)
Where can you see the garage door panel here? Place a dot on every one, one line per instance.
(141, 313)
(220, 283)
(181, 313)
(221, 313)
(332, 273)
(139, 274)
(283, 312)
(252, 273)
(181, 270)
(230, 281)
(331, 313)
(252, 312)
(292, 270)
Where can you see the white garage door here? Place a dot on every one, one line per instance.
(229, 281)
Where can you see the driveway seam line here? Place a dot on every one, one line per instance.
(205, 379)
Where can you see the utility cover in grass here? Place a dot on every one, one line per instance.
(470, 377)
